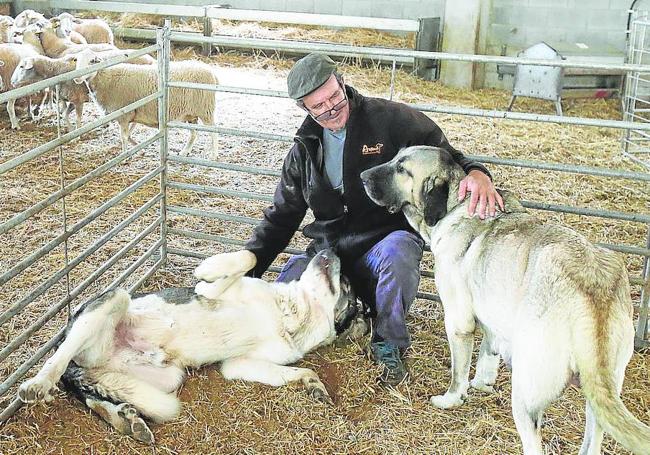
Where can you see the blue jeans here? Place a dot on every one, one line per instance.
(386, 279)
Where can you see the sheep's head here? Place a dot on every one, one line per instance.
(24, 71)
(27, 17)
(65, 26)
(86, 58)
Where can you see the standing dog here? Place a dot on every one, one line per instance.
(553, 305)
(126, 358)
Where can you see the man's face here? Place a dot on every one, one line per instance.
(322, 101)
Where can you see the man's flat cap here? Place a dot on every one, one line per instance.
(309, 73)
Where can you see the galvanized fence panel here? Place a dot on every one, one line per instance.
(126, 253)
(356, 51)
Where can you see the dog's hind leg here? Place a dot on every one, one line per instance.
(487, 366)
(86, 333)
(274, 375)
(540, 373)
(121, 416)
(459, 326)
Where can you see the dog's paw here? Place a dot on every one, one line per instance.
(446, 401)
(480, 385)
(225, 265)
(316, 389)
(36, 389)
(133, 425)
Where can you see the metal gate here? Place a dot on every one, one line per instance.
(166, 240)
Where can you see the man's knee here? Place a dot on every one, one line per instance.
(401, 251)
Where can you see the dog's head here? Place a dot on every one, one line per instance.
(419, 176)
(322, 281)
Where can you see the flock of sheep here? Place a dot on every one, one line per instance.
(34, 48)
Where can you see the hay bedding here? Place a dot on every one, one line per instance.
(237, 417)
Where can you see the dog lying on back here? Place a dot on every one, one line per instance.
(550, 303)
(125, 357)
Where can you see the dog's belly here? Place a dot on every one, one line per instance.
(138, 357)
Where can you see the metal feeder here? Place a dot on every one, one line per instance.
(534, 81)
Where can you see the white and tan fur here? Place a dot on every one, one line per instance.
(551, 304)
(127, 356)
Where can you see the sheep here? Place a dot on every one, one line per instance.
(30, 36)
(95, 31)
(56, 43)
(11, 54)
(28, 17)
(117, 86)
(6, 27)
(33, 69)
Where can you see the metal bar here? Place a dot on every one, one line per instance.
(644, 307)
(220, 239)
(124, 275)
(29, 260)
(163, 78)
(154, 268)
(327, 20)
(390, 53)
(40, 85)
(585, 170)
(506, 115)
(233, 131)
(224, 166)
(54, 197)
(54, 309)
(212, 215)
(284, 17)
(119, 7)
(48, 146)
(228, 89)
(221, 191)
(634, 217)
(26, 300)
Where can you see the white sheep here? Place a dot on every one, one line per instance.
(28, 17)
(11, 54)
(33, 69)
(6, 28)
(95, 31)
(57, 43)
(71, 95)
(117, 86)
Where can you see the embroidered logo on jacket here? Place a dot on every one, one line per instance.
(372, 150)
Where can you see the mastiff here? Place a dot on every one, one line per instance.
(126, 357)
(554, 306)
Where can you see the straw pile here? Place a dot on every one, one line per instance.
(237, 417)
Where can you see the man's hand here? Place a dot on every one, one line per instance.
(483, 193)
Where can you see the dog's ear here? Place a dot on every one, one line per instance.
(434, 199)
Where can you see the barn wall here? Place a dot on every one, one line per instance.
(505, 26)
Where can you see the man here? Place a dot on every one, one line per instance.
(344, 134)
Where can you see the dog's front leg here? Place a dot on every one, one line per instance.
(487, 366)
(460, 333)
(274, 375)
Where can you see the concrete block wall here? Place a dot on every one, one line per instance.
(569, 24)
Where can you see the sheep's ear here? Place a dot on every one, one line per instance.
(2, 63)
(29, 63)
(76, 20)
(434, 199)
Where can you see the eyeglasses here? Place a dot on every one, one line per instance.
(334, 110)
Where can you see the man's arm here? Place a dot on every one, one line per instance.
(282, 219)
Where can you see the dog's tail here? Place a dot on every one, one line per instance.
(609, 324)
